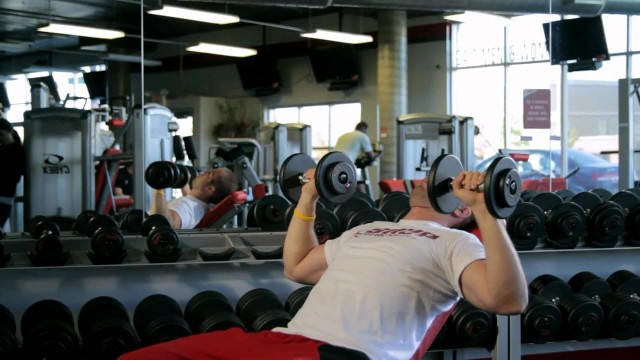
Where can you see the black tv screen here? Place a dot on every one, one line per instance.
(4, 97)
(96, 84)
(49, 82)
(581, 39)
(334, 63)
(259, 72)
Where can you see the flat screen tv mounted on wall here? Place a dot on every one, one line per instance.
(576, 40)
(337, 64)
(260, 74)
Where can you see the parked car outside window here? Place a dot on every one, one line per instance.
(591, 171)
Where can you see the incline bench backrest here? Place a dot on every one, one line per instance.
(104, 193)
(224, 211)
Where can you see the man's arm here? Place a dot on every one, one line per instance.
(304, 259)
(160, 206)
(497, 284)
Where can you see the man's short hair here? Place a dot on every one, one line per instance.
(225, 183)
(362, 126)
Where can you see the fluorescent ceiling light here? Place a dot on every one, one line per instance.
(478, 17)
(338, 36)
(38, 69)
(131, 59)
(82, 31)
(222, 50)
(195, 15)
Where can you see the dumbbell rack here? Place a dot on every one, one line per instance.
(564, 264)
(79, 280)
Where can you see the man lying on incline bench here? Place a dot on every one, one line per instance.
(379, 286)
(206, 190)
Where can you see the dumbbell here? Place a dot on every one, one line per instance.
(621, 311)
(260, 309)
(565, 194)
(296, 299)
(210, 311)
(107, 242)
(130, 221)
(604, 194)
(8, 341)
(158, 318)
(541, 320)
(326, 225)
(163, 243)
(165, 174)
(48, 249)
(48, 331)
(501, 187)
(605, 219)
(335, 176)
(630, 202)
(80, 224)
(564, 222)
(472, 327)
(105, 328)
(582, 315)
(359, 210)
(394, 205)
(268, 213)
(526, 226)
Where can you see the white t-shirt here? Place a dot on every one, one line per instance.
(190, 210)
(385, 284)
(353, 144)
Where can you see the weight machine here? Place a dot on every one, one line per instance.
(278, 141)
(424, 136)
(61, 153)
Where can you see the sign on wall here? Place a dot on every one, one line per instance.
(536, 109)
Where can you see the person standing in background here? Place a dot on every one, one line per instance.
(355, 143)
(12, 161)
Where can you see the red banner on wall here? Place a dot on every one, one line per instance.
(536, 109)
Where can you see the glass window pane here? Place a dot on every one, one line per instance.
(318, 118)
(615, 30)
(635, 32)
(635, 66)
(593, 124)
(344, 118)
(525, 38)
(18, 89)
(286, 115)
(531, 76)
(16, 112)
(477, 44)
(480, 93)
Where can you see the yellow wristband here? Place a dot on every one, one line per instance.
(158, 191)
(300, 216)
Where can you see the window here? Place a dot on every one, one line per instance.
(489, 87)
(327, 122)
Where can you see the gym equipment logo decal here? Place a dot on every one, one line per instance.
(54, 165)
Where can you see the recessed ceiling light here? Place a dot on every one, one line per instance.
(195, 15)
(82, 31)
(225, 50)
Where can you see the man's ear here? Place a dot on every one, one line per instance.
(462, 212)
